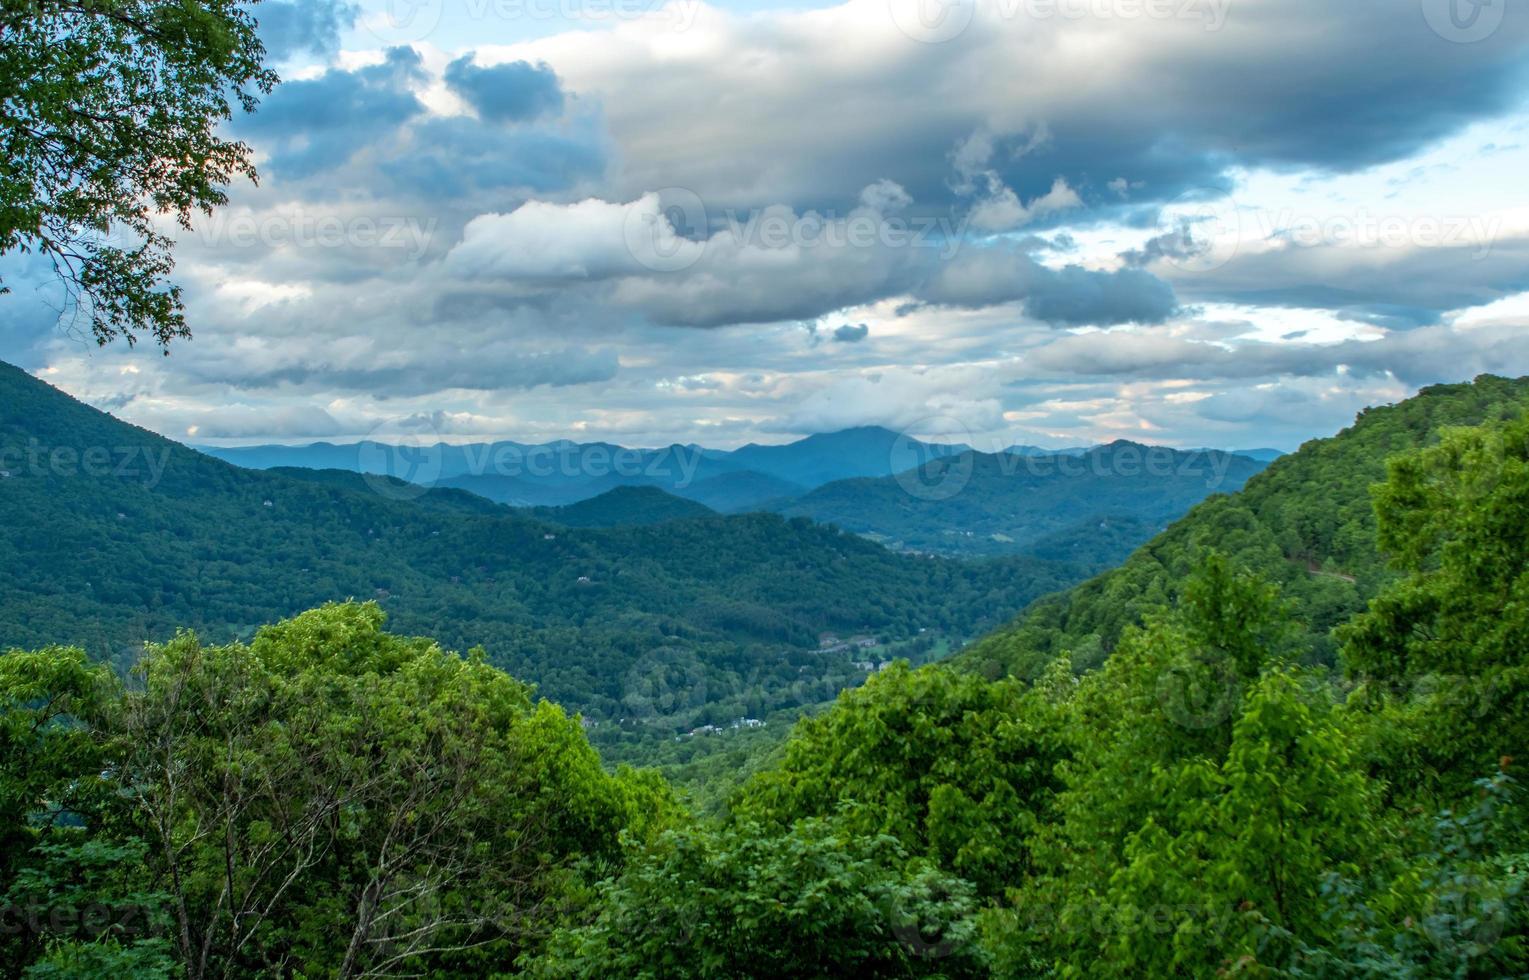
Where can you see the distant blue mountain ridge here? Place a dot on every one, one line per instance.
(561, 473)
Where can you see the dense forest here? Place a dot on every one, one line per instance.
(1236, 773)
(114, 536)
(1103, 502)
(1307, 523)
(623, 507)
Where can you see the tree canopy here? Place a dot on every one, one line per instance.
(110, 121)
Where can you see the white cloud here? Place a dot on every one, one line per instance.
(588, 240)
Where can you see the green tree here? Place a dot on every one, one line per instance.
(334, 799)
(111, 119)
(1239, 853)
(1439, 655)
(1208, 795)
(44, 747)
(954, 767)
(65, 882)
(1167, 698)
(818, 900)
(1307, 523)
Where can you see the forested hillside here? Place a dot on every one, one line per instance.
(622, 507)
(996, 504)
(1205, 798)
(442, 498)
(1306, 523)
(113, 536)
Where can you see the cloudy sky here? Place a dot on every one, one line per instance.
(1189, 222)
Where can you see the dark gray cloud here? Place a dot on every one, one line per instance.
(1074, 296)
(511, 92)
(833, 109)
(315, 125)
(1416, 357)
(1069, 296)
(1170, 105)
(364, 134)
(1385, 286)
(303, 26)
(1176, 244)
(732, 278)
(456, 157)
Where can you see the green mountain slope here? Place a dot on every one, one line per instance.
(442, 498)
(745, 490)
(1005, 503)
(112, 535)
(868, 451)
(622, 507)
(1306, 522)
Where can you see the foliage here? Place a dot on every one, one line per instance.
(1196, 794)
(1306, 523)
(57, 884)
(623, 507)
(818, 900)
(337, 799)
(79, 909)
(1457, 911)
(1208, 788)
(1439, 655)
(328, 799)
(956, 769)
(111, 119)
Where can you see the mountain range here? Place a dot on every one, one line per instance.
(565, 472)
(635, 606)
(1307, 523)
(113, 535)
(871, 480)
(560, 473)
(1004, 503)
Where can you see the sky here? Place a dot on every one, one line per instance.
(1229, 223)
